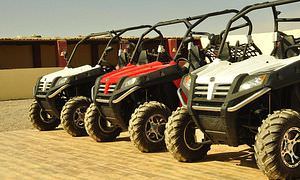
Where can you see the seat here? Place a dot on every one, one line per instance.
(123, 59)
(126, 50)
(197, 56)
(143, 58)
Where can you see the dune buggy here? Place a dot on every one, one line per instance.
(70, 88)
(244, 98)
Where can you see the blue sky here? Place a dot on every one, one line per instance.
(80, 17)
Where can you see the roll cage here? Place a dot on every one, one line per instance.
(188, 35)
(250, 8)
(190, 26)
(113, 34)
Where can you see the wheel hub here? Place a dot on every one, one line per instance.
(155, 127)
(45, 117)
(105, 125)
(78, 117)
(193, 137)
(290, 147)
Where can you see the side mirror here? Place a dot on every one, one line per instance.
(214, 39)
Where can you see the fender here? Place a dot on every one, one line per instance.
(123, 96)
(59, 90)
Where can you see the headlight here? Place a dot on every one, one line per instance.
(252, 82)
(129, 82)
(186, 82)
(61, 81)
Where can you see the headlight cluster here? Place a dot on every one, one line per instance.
(253, 82)
(186, 82)
(129, 82)
(61, 81)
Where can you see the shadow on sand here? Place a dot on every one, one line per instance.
(123, 139)
(242, 158)
(57, 129)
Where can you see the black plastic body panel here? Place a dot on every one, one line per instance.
(160, 81)
(221, 126)
(79, 85)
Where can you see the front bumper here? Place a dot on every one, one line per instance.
(49, 100)
(237, 106)
(218, 117)
(115, 106)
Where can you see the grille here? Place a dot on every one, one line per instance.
(201, 90)
(111, 88)
(221, 91)
(218, 95)
(44, 86)
(101, 96)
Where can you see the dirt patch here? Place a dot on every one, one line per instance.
(14, 115)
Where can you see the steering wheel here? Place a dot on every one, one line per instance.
(108, 64)
(180, 60)
(131, 45)
(294, 48)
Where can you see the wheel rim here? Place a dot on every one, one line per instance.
(105, 125)
(155, 127)
(78, 117)
(193, 137)
(290, 147)
(45, 117)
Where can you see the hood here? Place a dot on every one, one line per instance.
(67, 72)
(132, 71)
(225, 72)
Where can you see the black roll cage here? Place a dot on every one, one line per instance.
(113, 34)
(189, 26)
(248, 9)
(209, 15)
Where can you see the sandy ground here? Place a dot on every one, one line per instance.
(32, 154)
(14, 115)
(37, 152)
